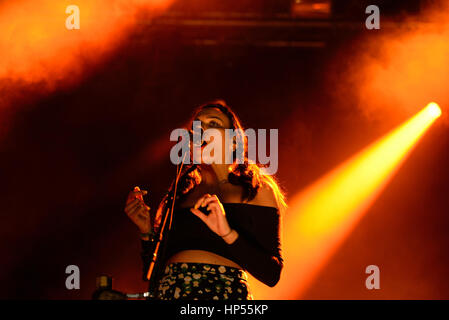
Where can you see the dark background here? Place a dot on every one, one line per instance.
(70, 158)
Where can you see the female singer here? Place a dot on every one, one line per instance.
(226, 222)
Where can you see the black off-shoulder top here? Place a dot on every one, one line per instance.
(257, 248)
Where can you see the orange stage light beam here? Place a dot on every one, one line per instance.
(38, 51)
(36, 45)
(321, 216)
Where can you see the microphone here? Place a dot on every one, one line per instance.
(195, 141)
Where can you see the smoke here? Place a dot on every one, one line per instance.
(397, 72)
(39, 54)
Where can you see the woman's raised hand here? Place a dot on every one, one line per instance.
(137, 210)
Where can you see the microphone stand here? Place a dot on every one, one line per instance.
(104, 283)
(162, 234)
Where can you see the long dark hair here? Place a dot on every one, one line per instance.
(246, 174)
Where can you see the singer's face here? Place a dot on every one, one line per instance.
(212, 118)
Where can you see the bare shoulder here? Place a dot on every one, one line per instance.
(265, 197)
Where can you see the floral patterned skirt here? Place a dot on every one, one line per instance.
(202, 281)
